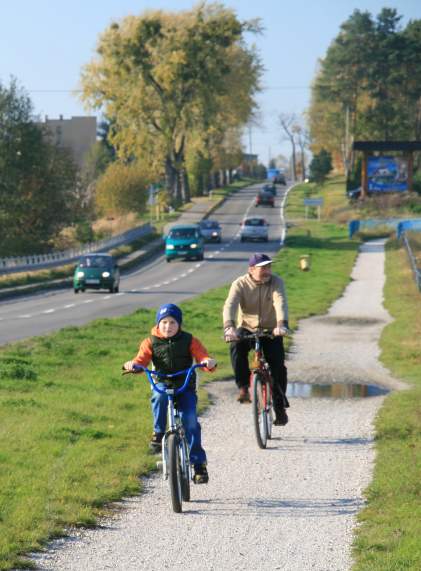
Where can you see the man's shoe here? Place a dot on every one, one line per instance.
(281, 417)
(156, 441)
(243, 395)
(200, 475)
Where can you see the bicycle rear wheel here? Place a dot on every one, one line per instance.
(185, 470)
(174, 472)
(259, 411)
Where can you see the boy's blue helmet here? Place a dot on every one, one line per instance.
(169, 309)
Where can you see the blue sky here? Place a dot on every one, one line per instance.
(45, 43)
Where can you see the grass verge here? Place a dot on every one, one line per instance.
(389, 536)
(74, 433)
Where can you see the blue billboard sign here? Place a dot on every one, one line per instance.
(387, 174)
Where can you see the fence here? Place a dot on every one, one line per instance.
(412, 260)
(42, 261)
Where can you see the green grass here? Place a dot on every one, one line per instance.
(389, 537)
(74, 433)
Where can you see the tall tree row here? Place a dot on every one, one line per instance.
(176, 88)
(368, 85)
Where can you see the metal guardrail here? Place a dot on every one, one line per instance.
(412, 260)
(42, 261)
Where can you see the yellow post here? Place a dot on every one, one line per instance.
(305, 263)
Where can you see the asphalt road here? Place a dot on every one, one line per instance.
(153, 283)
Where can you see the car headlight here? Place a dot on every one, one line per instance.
(105, 274)
(214, 233)
(193, 245)
(80, 274)
(170, 246)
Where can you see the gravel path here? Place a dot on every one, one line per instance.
(290, 507)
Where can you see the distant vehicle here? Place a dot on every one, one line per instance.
(265, 198)
(254, 228)
(211, 230)
(280, 179)
(184, 241)
(270, 188)
(96, 271)
(354, 194)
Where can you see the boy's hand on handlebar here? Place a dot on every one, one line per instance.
(230, 334)
(128, 366)
(209, 363)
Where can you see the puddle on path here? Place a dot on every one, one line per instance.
(336, 391)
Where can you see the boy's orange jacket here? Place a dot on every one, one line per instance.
(144, 355)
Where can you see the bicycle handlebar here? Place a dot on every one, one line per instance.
(150, 374)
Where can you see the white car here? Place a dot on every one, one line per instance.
(254, 228)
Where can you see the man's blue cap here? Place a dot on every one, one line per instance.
(169, 310)
(259, 260)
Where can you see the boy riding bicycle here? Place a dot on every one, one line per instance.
(171, 349)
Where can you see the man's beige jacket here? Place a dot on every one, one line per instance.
(256, 305)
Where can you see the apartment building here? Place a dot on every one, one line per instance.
(77, 134)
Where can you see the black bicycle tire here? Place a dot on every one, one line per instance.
(185, 472)
(174, 473)
(269, 415)
(259, 423)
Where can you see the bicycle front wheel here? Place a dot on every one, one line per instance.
(259, 411)
(185, 470)
(174, 472)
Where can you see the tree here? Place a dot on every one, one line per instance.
(123, 188)
(320, 166)
(368, 85)
(160, 76)
(38, 181)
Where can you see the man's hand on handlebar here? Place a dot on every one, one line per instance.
(280, 331)
(231, 334)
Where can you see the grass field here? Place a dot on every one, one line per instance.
(74, 433)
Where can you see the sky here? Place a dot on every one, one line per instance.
(45, 43)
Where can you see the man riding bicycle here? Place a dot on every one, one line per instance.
(260, 296)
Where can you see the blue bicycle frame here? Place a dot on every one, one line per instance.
(170, 392)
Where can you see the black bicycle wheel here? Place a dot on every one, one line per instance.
(185, 470)
(259, 412)
(269, 410)
(174, 472)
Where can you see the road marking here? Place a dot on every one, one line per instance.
(49, 311)
(26, 316)
(88, 301)
(69, 306)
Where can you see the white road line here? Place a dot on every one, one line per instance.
(49, 311)
(88, 301)
(26, 316)
(69, 306)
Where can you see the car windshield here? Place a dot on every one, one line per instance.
(254, 222)
(183, 233)
(208, 224)
(95, 262)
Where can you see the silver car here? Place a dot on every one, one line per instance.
(255, 228)
(211, 230)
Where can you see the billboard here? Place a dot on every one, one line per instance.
(387, 174)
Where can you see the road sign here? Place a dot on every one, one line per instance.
(313, 201)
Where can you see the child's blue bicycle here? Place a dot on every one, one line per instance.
(175, 449)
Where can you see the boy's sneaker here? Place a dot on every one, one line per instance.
(156, 441)
(244, 395)
(281, 417)
(200, 475)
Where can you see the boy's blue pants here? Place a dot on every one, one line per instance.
(186, 402)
